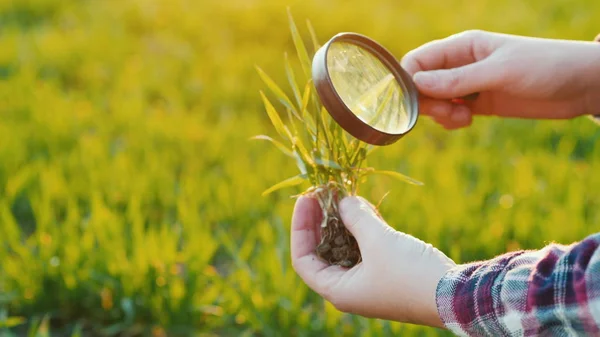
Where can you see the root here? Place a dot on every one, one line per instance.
(337, 246)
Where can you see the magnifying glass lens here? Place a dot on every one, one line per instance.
(368, 87)
(364, 89)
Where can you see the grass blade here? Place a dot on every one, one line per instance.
(323, 118)
(275, 119)
(300, 163)
(326, 120)
(313, 36)
(291, 119)
(308, 120)
(397, 175)
(278, 144)
(370, 97)
(305, 97)
(303, 151)
(293, 181)
(379, 115)
(300, 47)
(277, 90)
(359, 155)
(328, 164)
(292, 80)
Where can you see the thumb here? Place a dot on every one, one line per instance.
(456, 82)
(362, 220)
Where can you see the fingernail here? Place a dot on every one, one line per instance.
(353, 202)
(425, 79)
(358, 202)
(366, 202)
(349, 202)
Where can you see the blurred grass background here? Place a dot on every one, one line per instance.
(130, 195)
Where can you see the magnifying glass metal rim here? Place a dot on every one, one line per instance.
(340, 111)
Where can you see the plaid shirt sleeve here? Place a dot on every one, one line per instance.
(554, 291)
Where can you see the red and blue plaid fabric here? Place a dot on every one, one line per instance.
(554, 291)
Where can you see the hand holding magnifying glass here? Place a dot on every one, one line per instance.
(518, 77)
(365, 89)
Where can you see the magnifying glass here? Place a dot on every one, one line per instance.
(365, 90)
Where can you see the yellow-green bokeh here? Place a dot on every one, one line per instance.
(130, 195)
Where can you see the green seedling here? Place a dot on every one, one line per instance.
(328, 158)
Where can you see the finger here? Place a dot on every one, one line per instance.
(460, 81)
(362, 221)
(435, 108)
(460, 116)
(318, 275)
(453, 51)
(451, 116)
(305, 222)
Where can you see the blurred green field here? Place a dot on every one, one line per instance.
(130, 196)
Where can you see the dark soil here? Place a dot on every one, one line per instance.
(337, 245)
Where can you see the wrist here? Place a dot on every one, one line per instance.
(416, 301)
(592, 98)
(592, 101)
(436, 319)
(431, 316)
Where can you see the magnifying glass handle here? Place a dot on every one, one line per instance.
(469, 97)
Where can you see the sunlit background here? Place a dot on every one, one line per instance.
(130, 195)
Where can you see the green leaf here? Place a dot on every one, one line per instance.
(308, 120)
(370, 97)
(309, 123)
(328, 164)
(344, 145)
(293, 181)
(300, 163)
(278, 144)
(305, 97)
(292, 80)
(334, 127)
(396, 175)
(275, 119)
(313, 36)
(291, 119)
(379, 115)
(359, 155)
(300, 47)
(324, 119)
(306, 157)
(316, 102)
(276, 90)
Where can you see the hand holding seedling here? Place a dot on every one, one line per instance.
(396, 279)
(520, 77)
